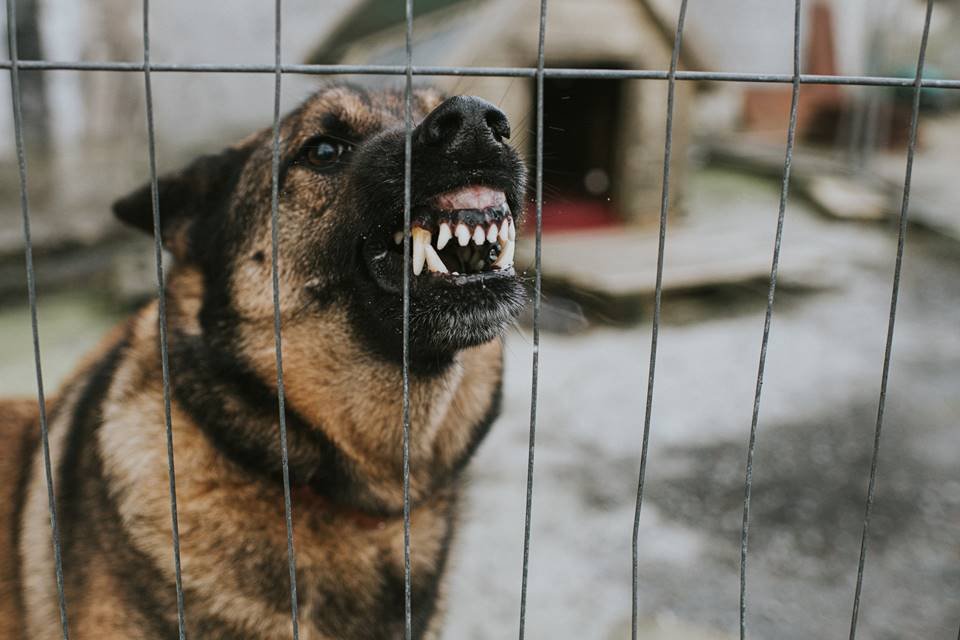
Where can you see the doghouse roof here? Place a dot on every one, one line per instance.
(370, 18)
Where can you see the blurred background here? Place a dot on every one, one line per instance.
(86, 146)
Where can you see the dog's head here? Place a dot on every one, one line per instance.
(341, 203)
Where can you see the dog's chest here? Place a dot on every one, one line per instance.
(350, 571)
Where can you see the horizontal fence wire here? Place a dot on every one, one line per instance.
(537, 288)
(162, 318)
(768, 318)
(32, 298)
(655, 332)
(894, 298)
(277, 337)
(407, 257)
(504, 72)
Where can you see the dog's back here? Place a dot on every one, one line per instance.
(19, 436)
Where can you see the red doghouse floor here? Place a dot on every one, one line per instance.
(572, 214)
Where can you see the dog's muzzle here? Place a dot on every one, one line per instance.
(465, 184)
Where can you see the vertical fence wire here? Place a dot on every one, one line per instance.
(658, 295)
(277, 340)
(894, 297)
(537, 284)
(768, 316)
(407, 181)
(162, 317)
(32, 297)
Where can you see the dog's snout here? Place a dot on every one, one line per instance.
(462, 123)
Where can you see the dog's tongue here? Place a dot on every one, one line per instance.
(474, 197)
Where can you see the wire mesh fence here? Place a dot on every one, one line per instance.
(672, 75)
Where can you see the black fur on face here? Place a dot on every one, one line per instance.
(341, 195)
(447, 312)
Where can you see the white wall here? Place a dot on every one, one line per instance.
(190, 108)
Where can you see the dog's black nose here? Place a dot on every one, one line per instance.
(464, 124)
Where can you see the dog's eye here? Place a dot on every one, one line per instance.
(325, 154)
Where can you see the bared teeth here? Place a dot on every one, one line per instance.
(421, 242)
(434, 263)
(444, 235)
(500, 234)
(463, 234)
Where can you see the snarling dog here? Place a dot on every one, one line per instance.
(340, 272)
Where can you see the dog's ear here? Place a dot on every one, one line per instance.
(202, 189)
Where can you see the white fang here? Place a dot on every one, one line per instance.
(421, 240)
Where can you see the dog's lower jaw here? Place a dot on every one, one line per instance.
(439, 328)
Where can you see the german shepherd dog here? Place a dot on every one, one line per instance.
(341, 194)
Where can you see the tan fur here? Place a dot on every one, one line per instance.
(19, 432)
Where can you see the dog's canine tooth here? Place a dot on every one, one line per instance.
(505, 259)
(512, 233)
(505, 229)
(421, 240)
(398, 237)
(434, 263)
(492, 233)
(479, 237)
(463, 234)
(444, 235)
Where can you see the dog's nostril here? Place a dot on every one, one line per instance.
(445, 127)
(498, 124)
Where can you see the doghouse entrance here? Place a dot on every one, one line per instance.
(581, 119)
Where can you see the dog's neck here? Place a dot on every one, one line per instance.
(343, 405)
(347, 520)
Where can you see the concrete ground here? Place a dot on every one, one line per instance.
(812, 460)
(817, 420)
